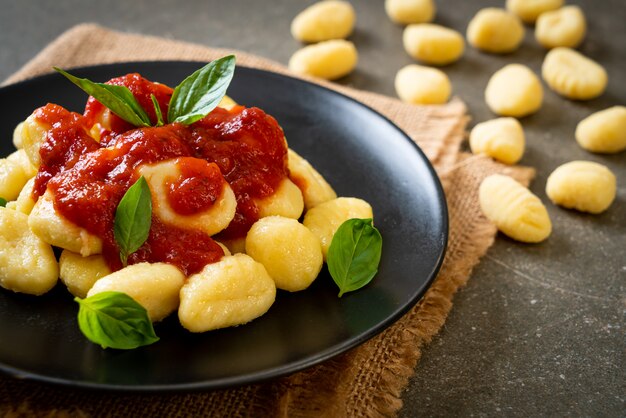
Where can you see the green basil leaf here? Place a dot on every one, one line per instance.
(157, 110)
(118, 99)
(3, 202)
(114, 319)
(354, 254)
(133, 218)
(201, 92)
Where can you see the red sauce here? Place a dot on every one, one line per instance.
(88, 179)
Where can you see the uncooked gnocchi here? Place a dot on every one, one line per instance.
(80, 273)
(290, 252)
(433, 44)
(315, 189)
(514, 209)
(27, 264)
(417, 84)
(562, 27)
(324, 219)
(573, 75)
(329, 60)
(530, 10)
(323, 21)
(603, 131)
(231, 292)
(406, 12)
(495, 30)
(502, 139)
(154, 286)
(514, 91)
(582, 185)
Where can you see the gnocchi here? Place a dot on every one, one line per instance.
(33, 135)
(27, 264)
(603, 131)
(20, 158)
(563, 27)
(17, 135)
(314, 188)
(25, 201)
(329, 60)
(572, 75)
(514, 209)
(290, 252)
(12, 178)
(502, 139)
(405, 12)
(155, 286)
(582, 185)
(495, 30)
(79, 273)
(231, 292)
(323, 21)
(286, 201)
(416, 84)
(530, 10)
(324, 219)
(514, 90)
(433, 44)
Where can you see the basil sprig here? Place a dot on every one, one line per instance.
(133, 219)
(118, 99)
(354, 254)
(114, 319)
(201, 92)
(157, 110)
(3, 202)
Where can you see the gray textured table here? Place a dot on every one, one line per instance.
(539, 330)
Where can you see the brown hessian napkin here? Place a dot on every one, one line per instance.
(364, 382)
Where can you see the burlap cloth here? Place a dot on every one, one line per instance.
(367, 381)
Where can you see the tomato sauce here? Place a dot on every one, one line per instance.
(88, 179)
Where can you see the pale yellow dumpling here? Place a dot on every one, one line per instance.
(156, 287)
(495, 30)
(433, 44)
(25, 201)
(502, 139)
(315, 189)
(514, 209)
(417, 84)
(573, 75)
(324, 219)
(17, 135)
(54, 229)
(603, 131)
(80, 273)
(323, 21)
(20, 158)
(231, 292)
(514, 91)
(563, 27)
(33, 135)
(582, 185)
(290, 252)
(227, 103)
(329, 60)
(530, 10)
(406, 12)
(12, 179)
(286, 201)
(27, 264)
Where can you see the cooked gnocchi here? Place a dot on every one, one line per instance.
(314, 188)
(563, 27)
(603, 131)
(286, 201)
(80, 273)
(582, 185)
(530, 10)
(323, 21)
(433, 44)
(12, 178)
(573, 75)
(417, 84)
(495, 30)
(329, 59)
(514, 90)
(514, 209)
(17, 135)
(502, 139)
(405, 12)
(25, 201)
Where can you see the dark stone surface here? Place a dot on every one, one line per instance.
(539, 330)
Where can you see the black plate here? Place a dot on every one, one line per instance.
(357, 150)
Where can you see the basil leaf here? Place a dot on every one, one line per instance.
(201, 92)
(354, 254)
(157, 110)
(133, 218)
(3, 202)
(118, 99)
(114, 319)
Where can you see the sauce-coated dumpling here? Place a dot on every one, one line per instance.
(315, 189)
(323, 21)
(33, 135)
(231, 292)
(573, 75)
(27, 264)
(603, 131)
(290, 252)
